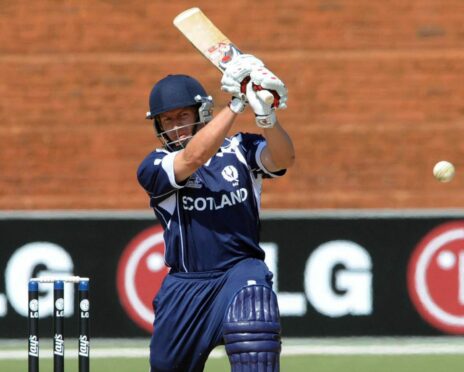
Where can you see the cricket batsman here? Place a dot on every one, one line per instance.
(204, 188)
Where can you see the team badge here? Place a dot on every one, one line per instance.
(230, 174)
(194, 182)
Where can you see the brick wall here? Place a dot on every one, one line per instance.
(376, 97)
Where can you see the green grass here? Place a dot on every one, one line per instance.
(317, 363)
(358, 363)
(451, 360)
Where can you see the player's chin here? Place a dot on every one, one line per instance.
(200, 126)
(183, 141)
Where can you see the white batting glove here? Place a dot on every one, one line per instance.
(264, 113)
(237, 105)
(237, 71)
(265, 79)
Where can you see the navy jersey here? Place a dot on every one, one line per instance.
(211, 220)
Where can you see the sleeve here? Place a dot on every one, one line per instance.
(156, 174)
(252, 145)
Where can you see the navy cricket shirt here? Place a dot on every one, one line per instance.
(211, 221)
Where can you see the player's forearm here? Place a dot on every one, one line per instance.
(279, 152)
(208, 140)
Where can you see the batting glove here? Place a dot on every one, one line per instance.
(237, 105)
(246, 67)
(264, 113)
(238, 70)
(263, 78)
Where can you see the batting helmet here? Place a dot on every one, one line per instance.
(174, 92)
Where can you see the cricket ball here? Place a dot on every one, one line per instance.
(444, 171)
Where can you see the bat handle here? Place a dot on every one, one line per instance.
(265, 96)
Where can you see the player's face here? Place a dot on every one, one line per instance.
(179, 126)
(177, 123)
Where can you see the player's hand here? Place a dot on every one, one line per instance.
(264, 113)
(246, 67)
(237, 74)
(238, 104)
(263, 78)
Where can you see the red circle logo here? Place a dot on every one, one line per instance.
(141, 270)
(436, 277)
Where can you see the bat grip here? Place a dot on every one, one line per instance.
(265, 96)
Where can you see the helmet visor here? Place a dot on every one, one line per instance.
(177, 138)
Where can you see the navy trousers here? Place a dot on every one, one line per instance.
(190, 310)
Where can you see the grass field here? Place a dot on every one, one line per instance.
(298, 355)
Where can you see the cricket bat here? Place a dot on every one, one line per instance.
(211, 42)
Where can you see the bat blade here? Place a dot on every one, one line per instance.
(211, 42)
(205, 36)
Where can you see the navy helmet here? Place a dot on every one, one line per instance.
(174, 92)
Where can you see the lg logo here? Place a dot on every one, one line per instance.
(436, 277)
(337, 279)
(36, 259)
(141, 271)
